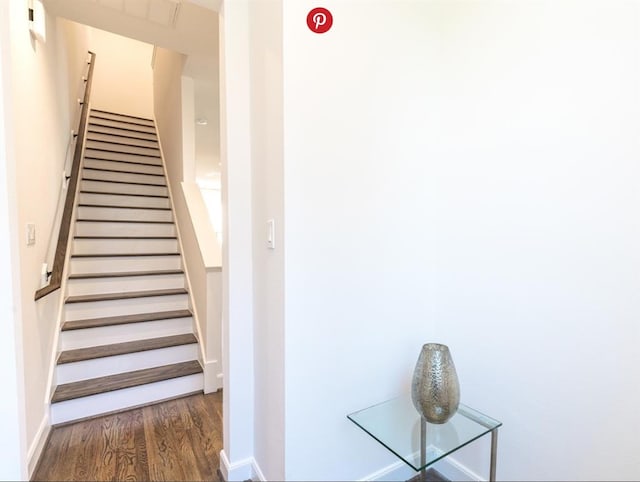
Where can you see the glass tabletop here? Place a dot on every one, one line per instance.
(398, 426)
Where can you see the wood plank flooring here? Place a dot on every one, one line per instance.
(174, 440)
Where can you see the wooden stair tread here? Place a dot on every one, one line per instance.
(138, 131)
(120, 171)
(103, 116)
(91, 353)
(121, 115)
(111, 141)
(123, 182)
(124, 319)
(100, 117)
(137, 163)
(122, 255)
(125, 274)
(125, 295)
(94, 386)
(102, 149)
(90, 205)
(125, 237)
(121, 135)
(122, 221)
(108, 193)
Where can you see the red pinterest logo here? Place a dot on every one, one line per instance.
(319, 20)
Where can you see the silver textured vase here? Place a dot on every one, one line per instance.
(435, 390)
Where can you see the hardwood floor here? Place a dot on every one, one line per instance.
(174, 440)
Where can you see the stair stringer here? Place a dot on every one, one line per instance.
(211, 382)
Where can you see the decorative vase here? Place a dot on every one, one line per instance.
(435, 390)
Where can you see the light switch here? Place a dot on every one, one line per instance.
(271, 234)
(31, 234)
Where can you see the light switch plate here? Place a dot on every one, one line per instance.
(31, 234)
(271, 234)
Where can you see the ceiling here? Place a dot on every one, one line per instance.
(162, 12)
(186, 26)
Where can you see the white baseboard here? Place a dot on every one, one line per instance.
(241, 470)
(396, 471)
(257, 473)
(35, 449)
(448, 467)
(212, 376)
(454, 470)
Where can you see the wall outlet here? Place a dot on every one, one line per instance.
(31, 234)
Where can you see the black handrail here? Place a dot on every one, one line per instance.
(65, 224)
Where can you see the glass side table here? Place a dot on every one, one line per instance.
(398, 426)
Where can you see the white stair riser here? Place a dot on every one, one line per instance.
(127, 398)
(91, 144)
(124, 264)
(114, 187)
(120, 200)
(124, 246)
(123, 177)
(94, 286)
(106, 335)
(95, 128)
(104, 228)
(121, 117)
(97, 309)
(122, 124)
(93, 153)
(96, 136)
(123, 166)
(125, 214)
(102, 367)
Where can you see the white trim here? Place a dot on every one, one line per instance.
(212, 376)
(449, 467)
(241, 470)
(454, 470)
(183, 262)
(396, 471)
(256, 471)
(33, 454)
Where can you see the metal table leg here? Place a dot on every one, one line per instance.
(423, 444)
(494, 453)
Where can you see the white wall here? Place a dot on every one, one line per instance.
(207, 106)
(237, 275)
(123, 79)
(204, 262)
(534, 194)
(358, 109)
(265, 22)
(173, 105)
(464, 172)
(39, 83)
(40, 132)
(167, 73)
(12, 416)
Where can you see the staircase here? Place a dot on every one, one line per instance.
(127, 336)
